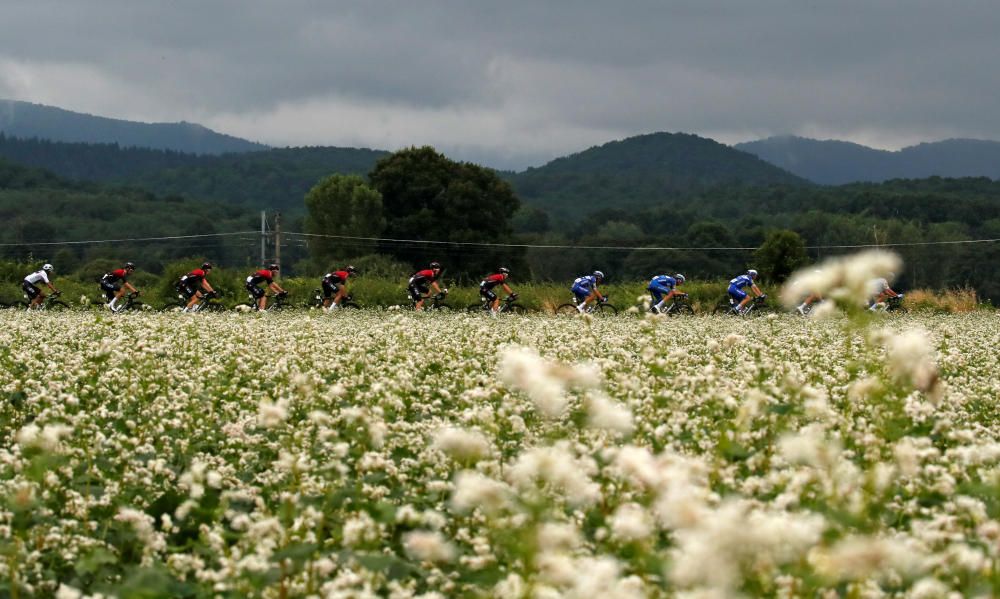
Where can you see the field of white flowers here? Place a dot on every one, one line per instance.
(428, 455)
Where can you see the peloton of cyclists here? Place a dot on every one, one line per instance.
(499, 278)
(29, 285)
(194, 285)
(113, 291)
(257, 292)
(585, 289)
(663, 288)
(740, 298)
(335, 287)
(420, 283)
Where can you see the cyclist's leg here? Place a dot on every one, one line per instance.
(418, 293)
(329, 291)
(739, 298)
(339, 298)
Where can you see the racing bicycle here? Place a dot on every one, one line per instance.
(678, 306)
(507, 306)
(727, 307)
(600, 307)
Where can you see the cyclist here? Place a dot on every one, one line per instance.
(112, 290)
(194, 285)
(662, 288)
(585, 289)
(736, 287)
(333, 287)
(420, 283)
(811, 299)
(35, 295)
(499, 278)
(263, 276)
(882, 292)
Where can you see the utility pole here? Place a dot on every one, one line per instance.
(277, 239)
(263, 238)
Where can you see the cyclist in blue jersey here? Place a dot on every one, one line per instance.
(662, 288)
(737, 285)
(585, 289)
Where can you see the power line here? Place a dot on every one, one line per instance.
(417, 242)
(127, 240)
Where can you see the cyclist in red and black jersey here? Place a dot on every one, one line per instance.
(421, 282)
(263, 276)
(113, 291)
(194, 285)
(499, 278)
(334, 288)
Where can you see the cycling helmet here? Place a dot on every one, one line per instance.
(47, 268)
(752, 273)
(679, 278)
(503, 271)
(206, 266)
(598, 274)
(129, 266)
(351, 269)
(435, 266)
(273, 267)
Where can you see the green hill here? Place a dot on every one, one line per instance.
(641, 171)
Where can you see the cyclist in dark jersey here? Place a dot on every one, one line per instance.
(499, 278)
(263, 276)
(334, 287)
(115, 284)
(194, 285)
(421, 282)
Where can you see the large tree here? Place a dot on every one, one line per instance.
(428, 197)
(343, 205)
(781, 254)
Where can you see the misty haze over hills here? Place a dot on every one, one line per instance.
(831, 162)
(27, 120)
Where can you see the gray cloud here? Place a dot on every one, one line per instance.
(514, 83)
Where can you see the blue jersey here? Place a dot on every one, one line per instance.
(663, 281)
(588, 282)
(741, 281)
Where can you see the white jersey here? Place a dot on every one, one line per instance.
(39, 276)
(880, 285)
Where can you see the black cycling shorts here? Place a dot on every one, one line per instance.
(255, 291)
(487, 292)
(110, 289)
(30, 289)
(330, 289)
(418, 291)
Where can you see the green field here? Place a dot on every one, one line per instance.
(375, 453)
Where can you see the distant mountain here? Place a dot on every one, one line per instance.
(640, 171)
(27, 120)
(277, 178)
(831, 162)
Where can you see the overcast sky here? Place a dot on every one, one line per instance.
(515, 83)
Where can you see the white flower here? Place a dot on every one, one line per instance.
(911, 359)
(631, 522)
(856, 558)
(462, 445)
(473, 490)
(559, 469)
(603, 413)
(428, 546)
(270, 415)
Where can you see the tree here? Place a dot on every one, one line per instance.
(781, 254)
(426, 196)
(343, 205)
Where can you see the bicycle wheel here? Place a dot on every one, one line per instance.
(724, 309)
(517, 309)
(350, 305)
(57, 305)
(605, 310)
(567, 310)
(473, 308)
(682, 310)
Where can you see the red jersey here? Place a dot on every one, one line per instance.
(424, 275)
(115, 275)
(337, 276)
(493, 280)
(261, 276)
(195, 276)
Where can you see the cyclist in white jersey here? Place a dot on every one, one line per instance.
(882, 292)
(30, 285)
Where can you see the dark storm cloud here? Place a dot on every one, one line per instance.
(514, 82)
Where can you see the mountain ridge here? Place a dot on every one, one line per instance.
(30, 120)
(836, 162)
